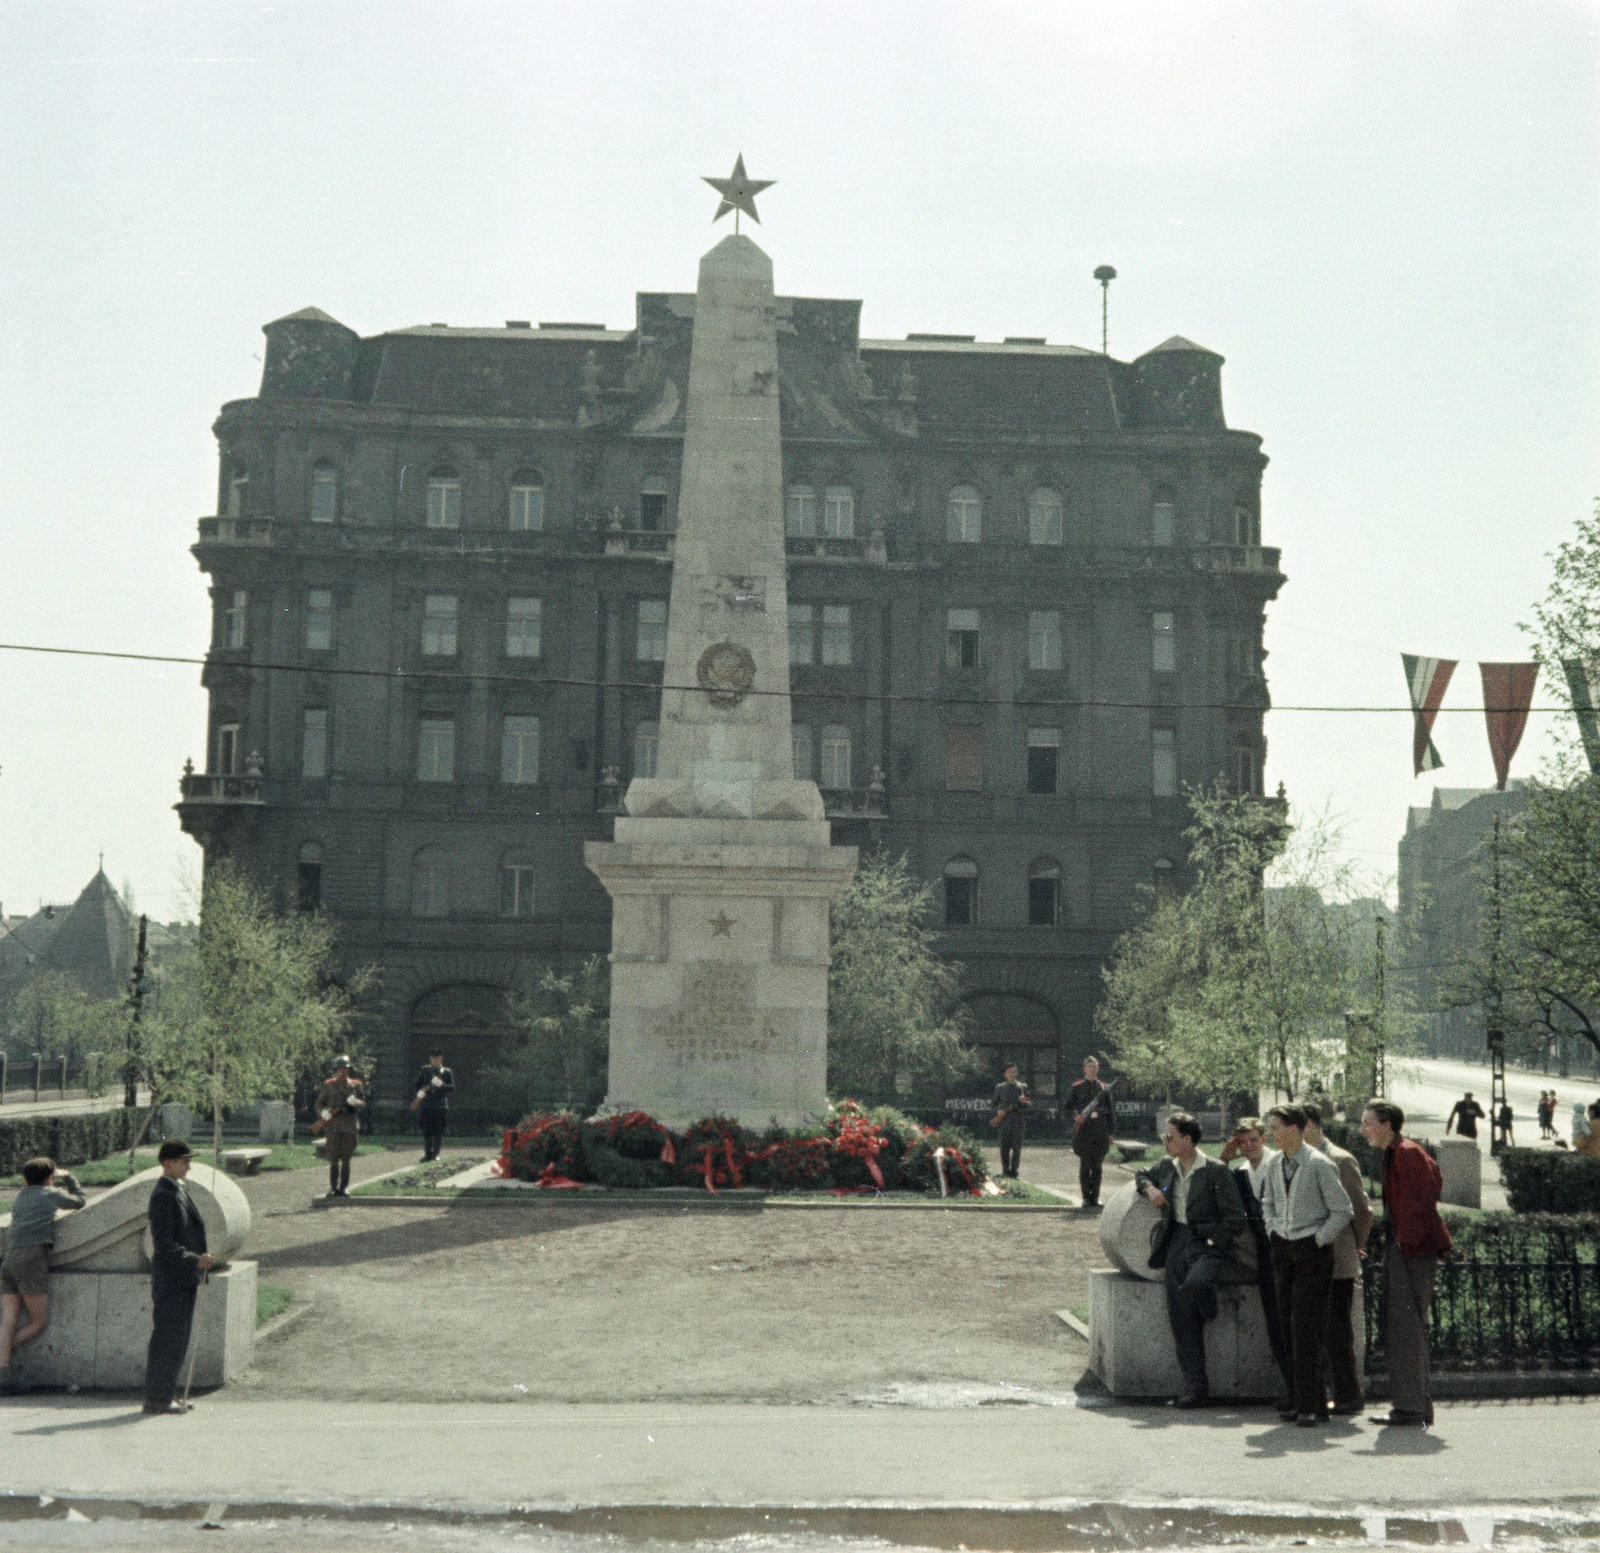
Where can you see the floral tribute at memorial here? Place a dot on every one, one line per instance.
(854, 1150)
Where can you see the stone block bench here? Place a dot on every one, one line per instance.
(1130, 1149)
(243, 1162)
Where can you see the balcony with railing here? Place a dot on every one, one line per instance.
(255, 529)
(873, 550)
(213, 803)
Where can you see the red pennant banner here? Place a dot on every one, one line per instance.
(1507, 695)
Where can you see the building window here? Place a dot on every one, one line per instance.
(646, 749)
(234, 618)
(436, 749)
(439, 625)
(1163, 643)
(800, 748)
(238, 494)
(1044, 639)
(527, 502)
(228, 743)
(835, 756)
(1246, 770)
(519, 750)
(1044, 893)
(839, 512)
(319, 619)
(1044, 518)
(430, 883)
(963, 760)
(444, 500)
(324, 494)
(516, 884)
(652, 504)
(960, 892)
(308, 877)
(964, 516)
(800, 512)
(1163, 520)
(961, 638)
(1163, 763)
(1164, 887)
(651, 646)
(802, 633)
(836, 633)
(1246, 525)
(524, 621)
(1044, 760)
(314, 743)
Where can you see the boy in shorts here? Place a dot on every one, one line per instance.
(25, 1267)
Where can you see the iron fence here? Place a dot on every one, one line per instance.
(31, 1077)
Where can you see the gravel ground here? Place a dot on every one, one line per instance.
(784, 1306)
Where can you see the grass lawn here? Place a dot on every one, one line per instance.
(271, 1300)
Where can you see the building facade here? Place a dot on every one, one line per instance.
(1026, 586)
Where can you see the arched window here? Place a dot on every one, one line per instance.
(960, 892)
(430, 883)
(839, 512)
(1163, 518)
(835, 756)
(324, 492)
(309, 876)
(652, 504)
(1044, 892)
(527, 502)
(1044, 517)
(444, 499)
(800, 512)
(964, 516)
(800, 746)
(646, 749)
(516, 884)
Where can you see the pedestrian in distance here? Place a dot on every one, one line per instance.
(1417, 1239)
(1202, 1212)
(1248, 1145)
(25, 1267)
(1465, 1115)
(1011, 1102)
(1349, 1251)
(1542, 1112)
(434, 1086)
(1586, 1129)
(1093, 1117)
(1507, 1122)
(340, 1102)
(1306, 1208)
(179, 1262)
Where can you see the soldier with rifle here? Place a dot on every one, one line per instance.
(1011, 1101)
(340, 1103)
(1093, 1116)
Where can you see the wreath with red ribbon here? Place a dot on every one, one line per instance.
(716, 1150)
(547, 1143)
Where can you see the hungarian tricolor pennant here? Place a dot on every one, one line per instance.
(1428, 679)
(1583, 681)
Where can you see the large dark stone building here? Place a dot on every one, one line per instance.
(1026, 592)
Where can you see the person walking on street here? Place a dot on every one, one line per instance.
(25, 1267)
(1202, 1212)
(1542, 1112)
(432, 1103)
(1417, 1239)
(1507, 1123)
(178, 1262)
(1348, 1252)
(1249, 1145)
(1011, 1102)
(1465, 1115)
(1306, 1208)
(1093, 1118)
(340, 1102)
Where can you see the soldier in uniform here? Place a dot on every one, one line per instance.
(1093, 1116)
(1010, 1107)
(432, 1103)
(340, 1103)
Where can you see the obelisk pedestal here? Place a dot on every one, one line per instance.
(722, 870)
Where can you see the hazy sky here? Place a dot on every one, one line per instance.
(1383, 215)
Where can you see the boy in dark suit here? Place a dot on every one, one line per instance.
(178, 1260)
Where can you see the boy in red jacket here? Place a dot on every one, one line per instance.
(1417, 1239)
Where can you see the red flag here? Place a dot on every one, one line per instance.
(1427, 679)
(1507, 695)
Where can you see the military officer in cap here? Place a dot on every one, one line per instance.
(179, 1262)
(340, 1103)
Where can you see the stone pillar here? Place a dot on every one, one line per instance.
(277, 1121)
(1461, 1165)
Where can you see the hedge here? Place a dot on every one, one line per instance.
(67, 1137)
(1550, 1181)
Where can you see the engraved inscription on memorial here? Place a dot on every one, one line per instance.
(717, 1019)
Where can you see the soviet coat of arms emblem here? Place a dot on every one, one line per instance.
(726, 671)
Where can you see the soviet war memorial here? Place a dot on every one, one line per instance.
(723, 935)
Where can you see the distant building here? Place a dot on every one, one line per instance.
(1026, 592)
(92, 940)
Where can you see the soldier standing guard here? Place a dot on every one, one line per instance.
(1093, 1117)
(432, 1102)
(340, 1102)
(1011, 1102)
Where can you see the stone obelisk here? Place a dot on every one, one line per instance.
(722, 870)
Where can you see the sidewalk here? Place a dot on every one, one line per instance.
(46, 1104)
(528, 1454)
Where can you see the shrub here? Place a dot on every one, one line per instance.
(546, 1141)
(1550, 1181)
(633, 1151)
(71, 1138)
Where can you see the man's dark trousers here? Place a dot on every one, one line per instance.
(173, 1310)
(1092, 1144)
(1342, 1368)
(1304, 1272)
(1010, 1147)
(1408, 1291)
(434, 1121)
(1191, 1275)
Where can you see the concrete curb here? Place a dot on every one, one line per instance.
(280, 1323)
(702, 1201)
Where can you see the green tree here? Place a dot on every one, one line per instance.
(558, 1054)
(894, 1025)
(52, 1014)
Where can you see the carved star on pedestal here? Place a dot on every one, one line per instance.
(739, 191)
(720, 924)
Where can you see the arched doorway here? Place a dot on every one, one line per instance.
(469, 1023)
(1014, 1027)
